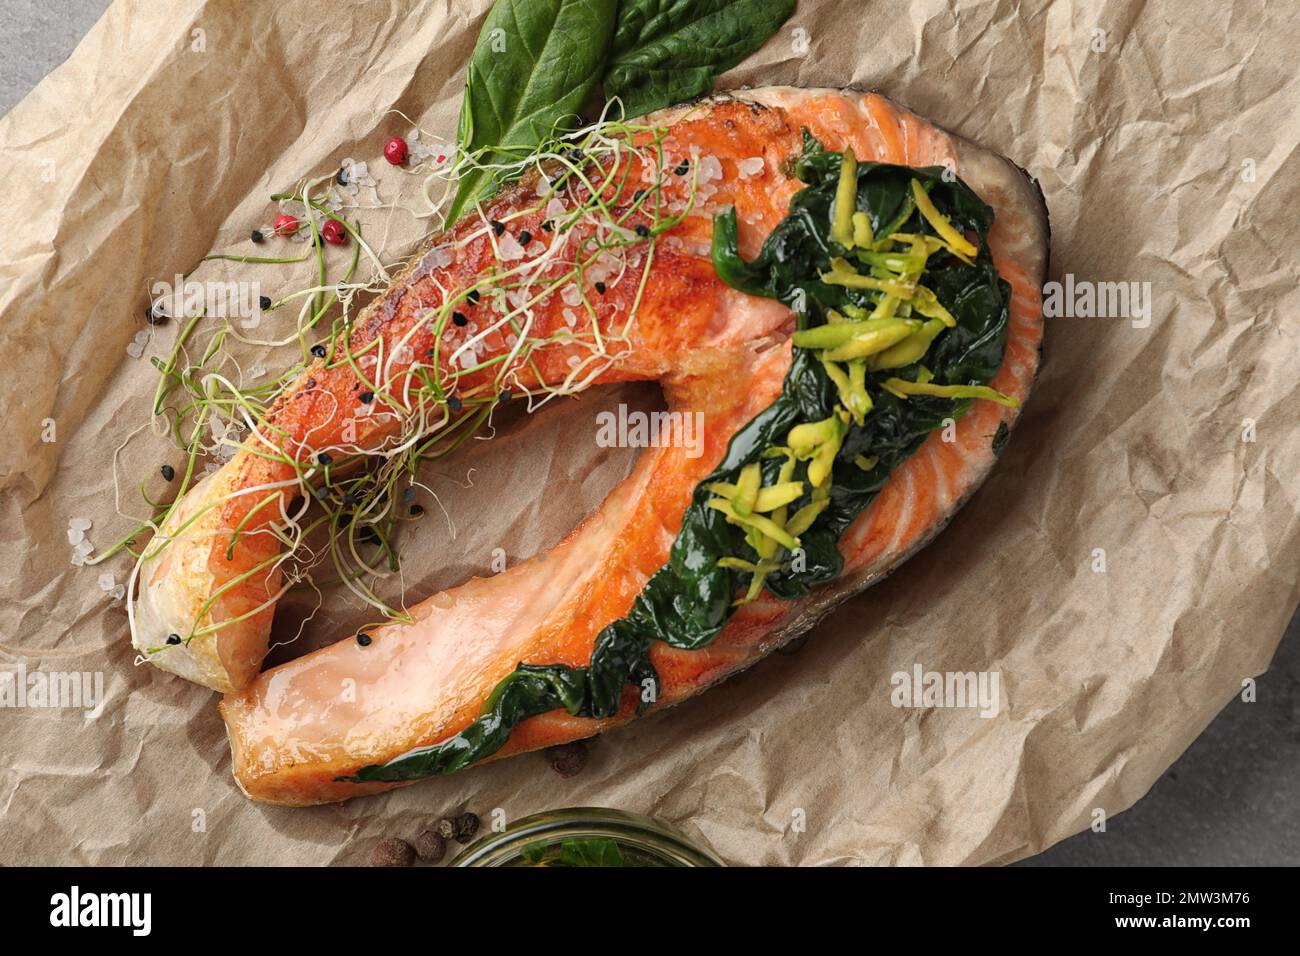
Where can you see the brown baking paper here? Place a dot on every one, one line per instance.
(1164, 135)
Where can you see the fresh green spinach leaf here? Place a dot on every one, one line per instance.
(669, 51)
(536, 63)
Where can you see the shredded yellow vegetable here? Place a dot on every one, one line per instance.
(940, 222)
(903, 388)
(759, 523)
(862, 235)
(846, 198)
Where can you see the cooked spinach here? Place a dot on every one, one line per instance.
(535, 65)
(669, 51)
(686, 602)
(1000, 438)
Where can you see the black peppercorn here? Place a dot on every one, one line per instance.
(525, 237)
(363, 639)
(600, 287)
(256, 235)
(466, 825)
(498, 227)
(325, 458)
(264, 302)
(642, 230)
(366, 397)
(392, 852)
(168, 472)
(454, 403)
(430, 847)
(460, 318)
(318, 351)
(567, 759)
(173, 638)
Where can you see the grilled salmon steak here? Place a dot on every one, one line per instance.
(305, 732)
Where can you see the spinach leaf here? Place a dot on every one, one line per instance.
(686, 603)
(585, 851)
(536, 63)
(592, 851)
(669, 51)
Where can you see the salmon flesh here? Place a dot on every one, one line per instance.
(298, 739)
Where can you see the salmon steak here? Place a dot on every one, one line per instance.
(845, 296)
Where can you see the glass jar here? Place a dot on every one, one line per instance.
(586, 836)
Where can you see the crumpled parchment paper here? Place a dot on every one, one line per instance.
(1164, 135)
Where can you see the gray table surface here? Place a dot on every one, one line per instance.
(1232, 799)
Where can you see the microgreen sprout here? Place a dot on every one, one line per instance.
(605, 196)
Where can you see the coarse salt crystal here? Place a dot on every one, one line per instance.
(750, 167)
(78, 559)
(75, 535)
(571, 294)
(535, 248)
(555, 208)
(80, 524)
(118, 592)
(84, 547)
(509, 248)
(570, 318)
(135, 350)
(710, 168)
(107, 581)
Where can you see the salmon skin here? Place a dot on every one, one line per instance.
(298, 739)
